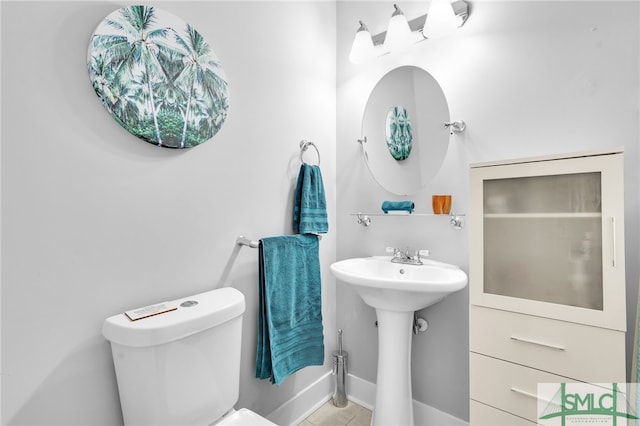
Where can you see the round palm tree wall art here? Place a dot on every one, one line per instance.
(158, 77)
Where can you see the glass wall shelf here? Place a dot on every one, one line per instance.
(455, 219)
(408, 214)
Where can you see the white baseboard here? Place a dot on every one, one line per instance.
(425, 415)
(305, 402)
(363, 393)
(359, 391)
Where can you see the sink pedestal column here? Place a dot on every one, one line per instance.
(394, 403)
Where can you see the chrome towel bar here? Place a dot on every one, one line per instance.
(242, 241)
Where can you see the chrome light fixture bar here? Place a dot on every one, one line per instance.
(460, 10)
(367, 46)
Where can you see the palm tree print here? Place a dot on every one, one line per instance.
(199, 73)
(158, 77)
(399, 133)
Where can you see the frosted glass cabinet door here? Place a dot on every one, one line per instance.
(547, 239)
(543, 238)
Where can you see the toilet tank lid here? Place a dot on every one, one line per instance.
(212, 308)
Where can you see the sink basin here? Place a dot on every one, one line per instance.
(396, 291)
(383, 284)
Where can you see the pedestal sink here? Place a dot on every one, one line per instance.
(396, 291)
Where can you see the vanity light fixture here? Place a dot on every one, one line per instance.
(398, 32)
(362, 48)
(441, 20)
(444, 16)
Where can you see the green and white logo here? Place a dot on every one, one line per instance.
(561, 404)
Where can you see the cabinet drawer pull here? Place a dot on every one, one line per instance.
(534, 342)
(525, 393)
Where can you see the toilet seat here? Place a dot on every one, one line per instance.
(244, 417)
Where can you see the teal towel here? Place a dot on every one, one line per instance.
(310, 206)
(388, 206)
(290, 333)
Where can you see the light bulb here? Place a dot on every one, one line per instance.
(362, 48)
(398, 32)
(441, 19)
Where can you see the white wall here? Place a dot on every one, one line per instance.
(95, 221)
(529, 78)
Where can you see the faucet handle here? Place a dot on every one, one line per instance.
(396, 252)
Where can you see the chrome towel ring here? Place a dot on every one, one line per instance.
(304, 145)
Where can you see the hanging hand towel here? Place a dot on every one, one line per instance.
(310, 206)
(290, 333)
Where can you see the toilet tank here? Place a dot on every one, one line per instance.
(180, 367)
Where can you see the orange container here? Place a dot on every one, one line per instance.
(441, 204)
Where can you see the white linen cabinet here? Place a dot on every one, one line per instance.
(547, 280)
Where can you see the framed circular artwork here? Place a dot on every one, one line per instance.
(158, 77)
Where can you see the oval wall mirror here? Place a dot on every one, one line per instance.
(405, 140)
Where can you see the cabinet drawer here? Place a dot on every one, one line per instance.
(507, 386)
(483, 415)
(585, 353)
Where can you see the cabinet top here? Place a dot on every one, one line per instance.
(593, 153)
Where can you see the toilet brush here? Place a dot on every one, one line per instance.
(340, 371)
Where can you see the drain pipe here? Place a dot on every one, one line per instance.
(419, 324)
(340, 358)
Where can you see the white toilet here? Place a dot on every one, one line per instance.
(182, 367)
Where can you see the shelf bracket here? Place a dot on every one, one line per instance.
(364, 220)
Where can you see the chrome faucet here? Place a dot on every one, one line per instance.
(405, 257)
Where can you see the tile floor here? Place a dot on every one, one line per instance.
(330, 415)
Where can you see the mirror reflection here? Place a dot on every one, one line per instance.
(398, 133)
(403, 129)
